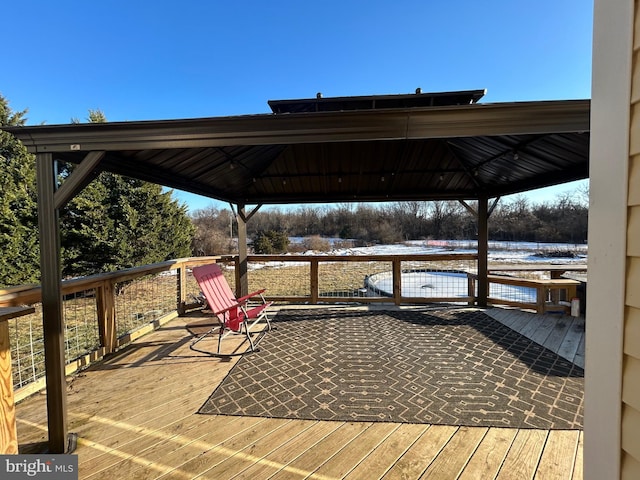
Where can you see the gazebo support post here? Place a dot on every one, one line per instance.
(243, 285)
(52, 317)
(483, 251)
(242, 280)
(50, 200)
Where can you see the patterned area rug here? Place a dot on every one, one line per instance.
(452, 367)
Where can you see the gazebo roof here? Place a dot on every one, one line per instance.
(374, 148)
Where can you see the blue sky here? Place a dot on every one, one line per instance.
(148, 60)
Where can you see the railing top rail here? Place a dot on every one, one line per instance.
(28, 294)
(364, 258)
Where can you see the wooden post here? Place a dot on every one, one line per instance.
(540, 298)
(8, 430)
(242, 288)
(471, 288)
(106, 305)
(397, 280)
(181, 288)
(52, 317)
(315, 280)
(483, 251)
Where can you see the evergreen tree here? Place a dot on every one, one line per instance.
(19, 261)
(119, 222)
(115, 222)
(270, 242)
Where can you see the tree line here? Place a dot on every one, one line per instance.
(563, 220)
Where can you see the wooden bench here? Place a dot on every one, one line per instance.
(559, 289)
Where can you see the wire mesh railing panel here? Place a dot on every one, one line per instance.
(349, 279)
(512, 293)
(26, 338)
(229, 272)
(192, 289)
(80, 324)
(290, 279)
(144, 300)
(436, 279)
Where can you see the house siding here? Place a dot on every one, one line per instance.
(630, 427)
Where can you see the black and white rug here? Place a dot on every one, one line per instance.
(451, 367)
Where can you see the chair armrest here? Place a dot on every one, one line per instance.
(251, 295)
(235, 305)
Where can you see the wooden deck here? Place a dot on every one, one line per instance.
(135, 418)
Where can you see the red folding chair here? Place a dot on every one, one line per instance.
(236, 315)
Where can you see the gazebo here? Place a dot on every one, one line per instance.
(421, 146)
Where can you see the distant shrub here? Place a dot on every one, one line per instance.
(556, 254)
(317, 243)
(296, 247)
(343, 243)
(270, 242)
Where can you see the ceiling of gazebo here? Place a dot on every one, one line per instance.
(380, 148)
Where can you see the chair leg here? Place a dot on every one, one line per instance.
(252, 347)
(220, 335)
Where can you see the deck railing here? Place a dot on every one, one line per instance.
(101, 313)
(106, 311)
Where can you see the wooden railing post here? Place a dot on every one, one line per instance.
(236, 269)
(397, 280)
(106, 306)
(8, 430)
(471, 288)
(314, 280)
(181, 294)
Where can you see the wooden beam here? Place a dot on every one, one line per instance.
(79, 178)
(52, 318)
(473, 211)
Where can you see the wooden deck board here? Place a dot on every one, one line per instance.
(257, 450)
(217, 447)
(284, 454)
(136, 416)
(420, 455)
(569, 346)
(488, 457)
(559, 455)
(350, 456)
(164, 456)
(387, 453)
(578, 471)
(522, 459)
(324, 450)
(456, 454)
(561, 334)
